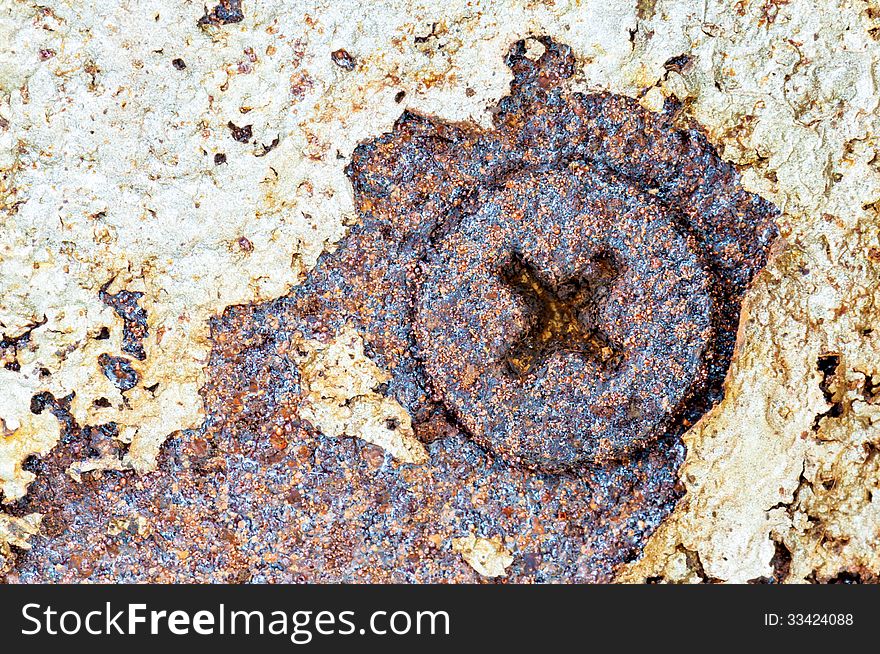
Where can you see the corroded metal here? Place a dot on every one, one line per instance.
(645, 300)
(224, 12)
(556, 301)
(134, 319)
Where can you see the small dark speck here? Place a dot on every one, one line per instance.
(178, 63)
(219, 158)
(342, 59)
(399, 96)
(241, 134)
(469, 92)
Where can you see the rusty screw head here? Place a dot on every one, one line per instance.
(602, 348)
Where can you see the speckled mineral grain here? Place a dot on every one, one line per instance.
(165, 165)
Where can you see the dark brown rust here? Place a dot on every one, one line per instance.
(604, 212)
(342, 59)
(241, 134)
(258, 494)
(134, 319)
(607, 258)
(119, 371)
(10, 346)
(224, 12)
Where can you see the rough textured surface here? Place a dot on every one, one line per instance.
(485, 555)
(582, 190)
(339, 398)
(118, 165)
(16, 532)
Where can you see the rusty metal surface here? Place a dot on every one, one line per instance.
(134, 317)
(556, 300)
(224, 12)
(630, 298)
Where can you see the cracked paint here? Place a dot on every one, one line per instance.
(117, 165)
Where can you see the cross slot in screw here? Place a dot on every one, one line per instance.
(566, 316)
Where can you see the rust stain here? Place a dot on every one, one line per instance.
(225, 12)
(554, 299)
